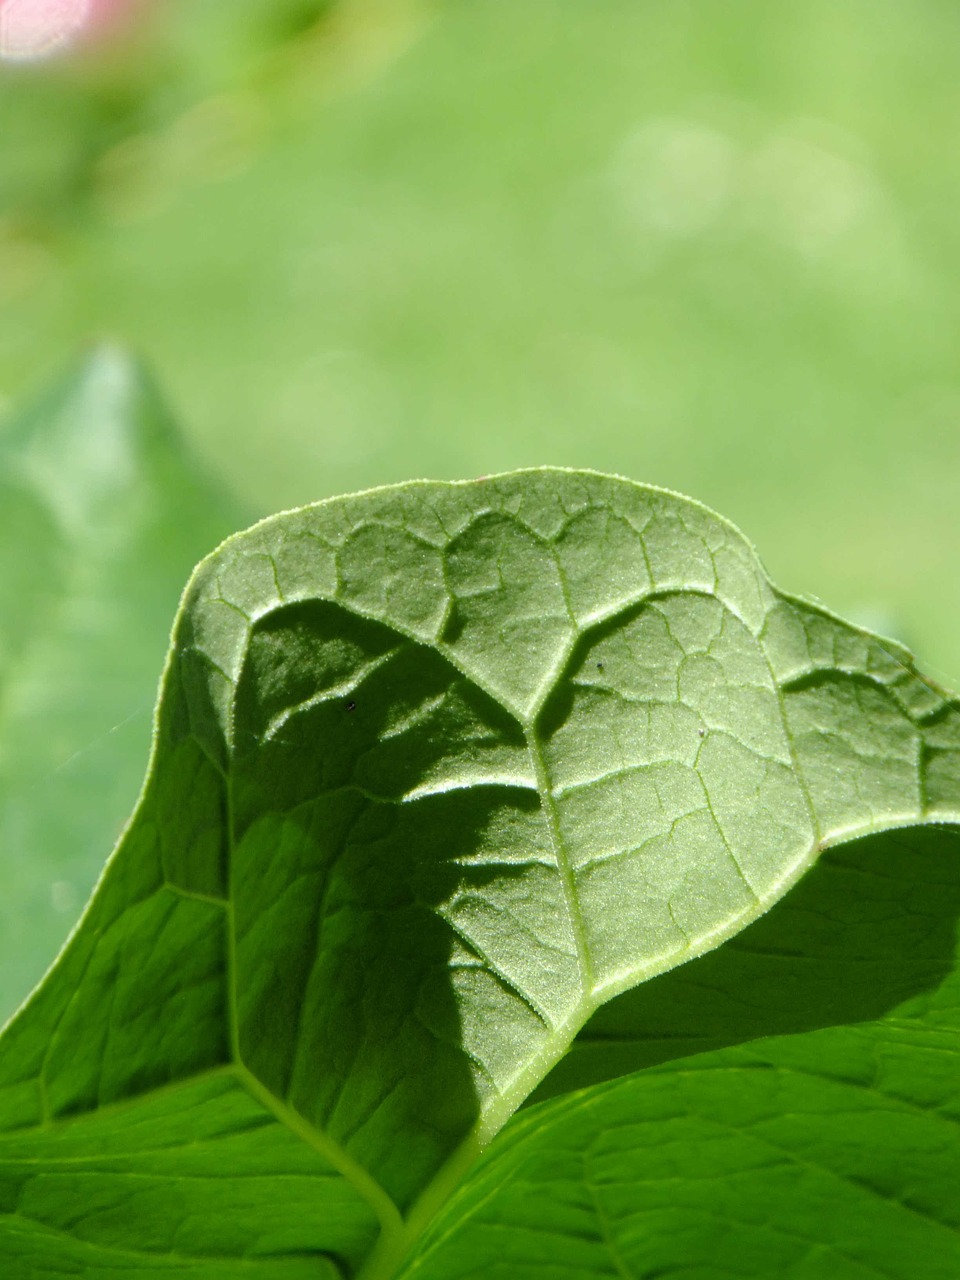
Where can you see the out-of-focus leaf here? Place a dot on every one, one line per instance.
(102, 513)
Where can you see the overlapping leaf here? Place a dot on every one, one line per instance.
(826, 1148)
(439, 770)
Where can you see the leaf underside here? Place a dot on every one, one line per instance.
(439, 771)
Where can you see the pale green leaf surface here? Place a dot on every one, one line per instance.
(438, 770)
(102, 514)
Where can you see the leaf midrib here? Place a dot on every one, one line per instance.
(396, 1233)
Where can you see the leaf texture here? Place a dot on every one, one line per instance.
(821, 1142)
(439, 769)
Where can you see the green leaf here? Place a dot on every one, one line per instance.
(828, 1149)
(102, 514)
(438, 770)
(870, 929)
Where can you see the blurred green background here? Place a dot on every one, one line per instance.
(709, 246)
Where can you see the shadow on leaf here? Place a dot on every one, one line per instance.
(871, 929)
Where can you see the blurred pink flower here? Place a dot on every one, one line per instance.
(33, 29)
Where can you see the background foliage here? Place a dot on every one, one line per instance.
(710, 247)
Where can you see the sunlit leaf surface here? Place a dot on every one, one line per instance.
(439, 770)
